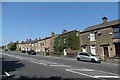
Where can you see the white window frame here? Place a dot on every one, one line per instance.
(93, 49)
(92, 36)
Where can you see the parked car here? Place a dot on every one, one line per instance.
(31, 52)
(23, 51)
(88, 57)
(5, 49)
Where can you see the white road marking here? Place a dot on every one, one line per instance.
(18, 62)
(39, 63)
(7, 73)
(96, 76)
(60, 65)
(49, 62)
(106, 72)
(83, 69)
(80, 73)
(107, 76)
(54, 64)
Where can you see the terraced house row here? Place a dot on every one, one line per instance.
(102, 39)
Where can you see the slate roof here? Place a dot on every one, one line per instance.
(102, 25)
(36, 40)
(32, 41)
(67, 33)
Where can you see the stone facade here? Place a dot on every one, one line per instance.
(65, 43)
(99, 39)
(102, 39)
(42, 46)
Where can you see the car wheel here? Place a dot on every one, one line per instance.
(93, 60)
(78, 59)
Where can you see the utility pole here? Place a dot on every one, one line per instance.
(30, 36)
(30, 31)
(10, 38)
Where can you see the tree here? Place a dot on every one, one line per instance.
(3, 47)
(68, 40)
(73, 40)
(12, 46)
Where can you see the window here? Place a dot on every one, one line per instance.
(93, 49)
(84, 54)
(116, 32)
(36, 44)
(33, 44)
(64, 40)
(92, 37)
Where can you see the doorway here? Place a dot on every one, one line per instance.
(106, 52)
(117, 49)
(84, 49)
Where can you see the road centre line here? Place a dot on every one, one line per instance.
(60, 65)
(39, 63)
(49, 62)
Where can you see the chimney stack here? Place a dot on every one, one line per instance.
(52, 34)
(29, 39)
(39, 38)
(36, 39)
(104, 19)
(64, 31)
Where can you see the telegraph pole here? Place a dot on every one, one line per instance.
(10, 38)
(30, 36)
(30, 31)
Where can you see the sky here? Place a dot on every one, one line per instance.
(23, 20)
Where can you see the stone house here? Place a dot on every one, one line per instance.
(27, 45)
(45, 45)
(102, 39)
(67, 43)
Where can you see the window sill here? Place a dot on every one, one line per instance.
(116, 38)
(92, 41)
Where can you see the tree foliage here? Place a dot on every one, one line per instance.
(12, 46)
(68, 40)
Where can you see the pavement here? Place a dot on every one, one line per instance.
(115, 61)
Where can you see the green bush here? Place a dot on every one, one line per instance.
(68, 40)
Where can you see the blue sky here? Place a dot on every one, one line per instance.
(18, 18)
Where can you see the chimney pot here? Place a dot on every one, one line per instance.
(104, 19)
(52, 34)
(29, 39)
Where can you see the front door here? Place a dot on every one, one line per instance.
(117, 49)
(106, 53)
(84, 49)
